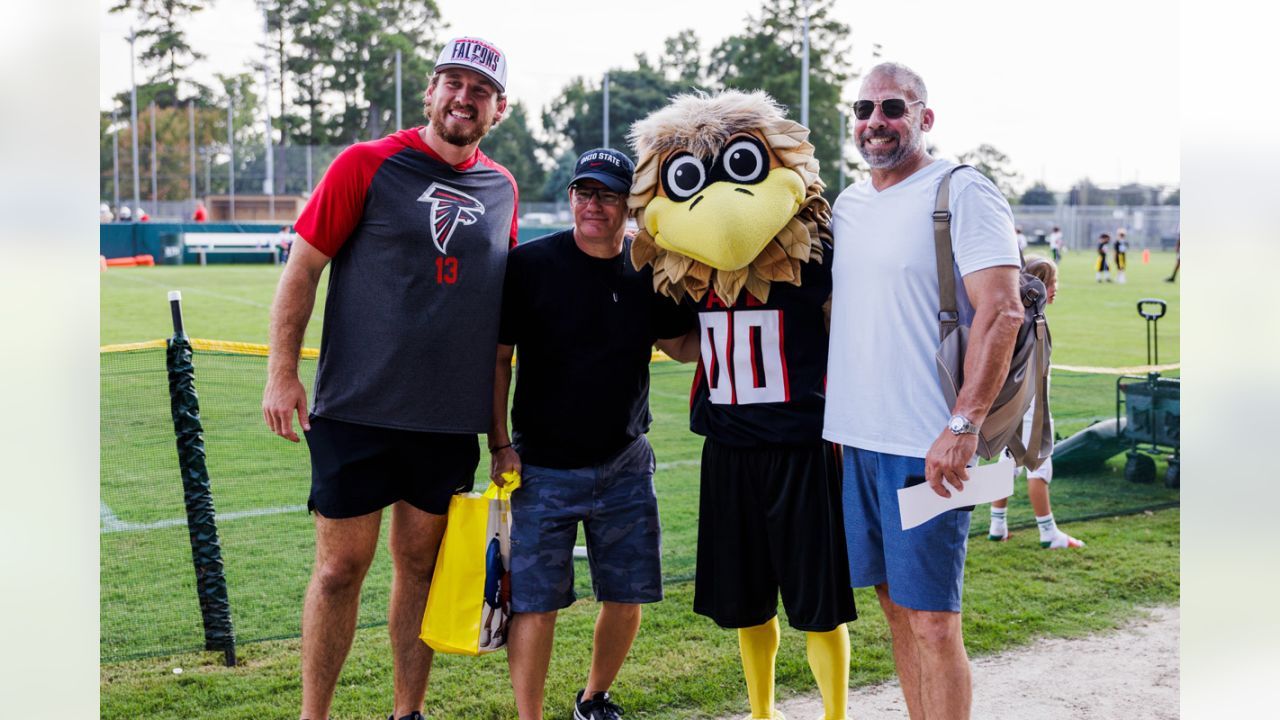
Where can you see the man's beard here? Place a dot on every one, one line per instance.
(893, 158)
(459, 136)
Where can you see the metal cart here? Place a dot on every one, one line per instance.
(1151, 408)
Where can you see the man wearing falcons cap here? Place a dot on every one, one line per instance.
(417, 227)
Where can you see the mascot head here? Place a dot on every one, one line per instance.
(726, 196)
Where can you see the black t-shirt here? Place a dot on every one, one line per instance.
(762, 370)
(584, 329)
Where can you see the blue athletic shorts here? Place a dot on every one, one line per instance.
(618, 509)
(923, 566)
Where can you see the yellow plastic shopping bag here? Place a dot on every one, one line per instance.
(469, 605)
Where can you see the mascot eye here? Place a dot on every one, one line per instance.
(744, 161)
(684, 177)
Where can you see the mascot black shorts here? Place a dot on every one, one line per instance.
(357, 469)
(770, 520)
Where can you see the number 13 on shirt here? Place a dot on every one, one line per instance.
(742, 357)
(446, 270)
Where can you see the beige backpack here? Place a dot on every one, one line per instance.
(1028, 377)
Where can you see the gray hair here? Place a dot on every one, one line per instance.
(904, 77)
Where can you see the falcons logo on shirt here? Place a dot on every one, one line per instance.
(450, 208)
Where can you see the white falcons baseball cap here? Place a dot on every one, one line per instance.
(475, 54)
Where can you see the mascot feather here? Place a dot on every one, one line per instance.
(731, 217)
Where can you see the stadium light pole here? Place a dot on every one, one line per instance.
(606, 110)
(191, 144)
(231, 151)
(804, 71)
(271, 165)
(155, 192)
(115, 163)
(133, 124)
(399, 125)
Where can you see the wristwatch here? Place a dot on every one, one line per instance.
(961, 425)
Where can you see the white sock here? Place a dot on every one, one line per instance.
(999, 527)
(1048, 528)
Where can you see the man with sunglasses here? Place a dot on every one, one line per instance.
(585, 322)
(884, 404)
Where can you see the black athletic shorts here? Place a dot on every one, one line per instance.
(770, 519)
(357, 469)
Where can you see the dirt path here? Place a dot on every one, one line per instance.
(1131, 673)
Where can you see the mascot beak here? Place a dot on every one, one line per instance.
(726, 224)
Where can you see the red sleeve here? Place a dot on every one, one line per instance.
(515, 191)
(337, 204)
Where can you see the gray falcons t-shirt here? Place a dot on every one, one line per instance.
(419, 250)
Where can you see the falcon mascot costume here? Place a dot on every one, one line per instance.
(731, 217)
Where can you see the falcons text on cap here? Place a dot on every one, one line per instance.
(450, 207)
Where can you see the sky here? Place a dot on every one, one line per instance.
(1081, 89)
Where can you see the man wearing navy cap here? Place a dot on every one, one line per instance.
(417, 226)
(585, 321)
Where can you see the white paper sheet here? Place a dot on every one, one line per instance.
(919, 503)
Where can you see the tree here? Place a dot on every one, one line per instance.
(1084, 192)
(558, 178)
(1174, 198)
(313, 38)
(1135, 194)
(1038, 194)
(767, 56)
(989, 161)
(173, 148)
(575, 120)
(368, 34)
(167, 51)
(681, 60)
(512, 144)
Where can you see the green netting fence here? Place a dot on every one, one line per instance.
(260, 482)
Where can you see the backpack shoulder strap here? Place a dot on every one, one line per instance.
(948, 312)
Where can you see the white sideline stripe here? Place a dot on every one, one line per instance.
(195, 291)
(111, 523)
(677, 463)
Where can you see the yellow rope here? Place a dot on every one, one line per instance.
(241, 348)
(1134, 370)
(223, 346)
(150, 344)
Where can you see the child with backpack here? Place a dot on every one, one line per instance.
(1051, 536)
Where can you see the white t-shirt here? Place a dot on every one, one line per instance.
(882, 380)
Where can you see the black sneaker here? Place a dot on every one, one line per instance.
(415, 715)
(600, 707)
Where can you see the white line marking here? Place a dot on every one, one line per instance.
(195, 290)
(677, 463)
(111, 523)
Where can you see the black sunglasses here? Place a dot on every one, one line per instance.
(893, 108)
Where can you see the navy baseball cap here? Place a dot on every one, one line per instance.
(606, 165)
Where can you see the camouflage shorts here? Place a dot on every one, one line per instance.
(617, 507)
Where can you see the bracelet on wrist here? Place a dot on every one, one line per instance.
(496, 448)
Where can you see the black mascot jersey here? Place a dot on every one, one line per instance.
(761, 376)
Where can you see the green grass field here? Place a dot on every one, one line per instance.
(682, 666)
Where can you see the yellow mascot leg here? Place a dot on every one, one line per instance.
(829, 661)
(759, 647)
